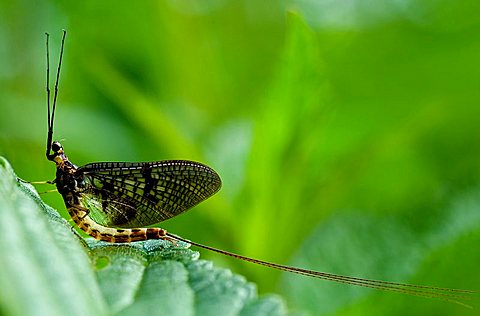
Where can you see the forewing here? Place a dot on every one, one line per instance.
(131, 195)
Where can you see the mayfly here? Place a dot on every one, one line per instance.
(113, 201)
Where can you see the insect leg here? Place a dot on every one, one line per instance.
(36, 182)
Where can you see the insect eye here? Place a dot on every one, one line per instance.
(56, 146)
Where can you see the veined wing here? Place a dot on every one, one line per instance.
(129, 195)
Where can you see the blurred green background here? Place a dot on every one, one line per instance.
(347, 133)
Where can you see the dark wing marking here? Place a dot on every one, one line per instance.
(130, 195)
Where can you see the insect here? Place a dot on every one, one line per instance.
(113, 201)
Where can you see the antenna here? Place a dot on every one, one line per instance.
(51, 113)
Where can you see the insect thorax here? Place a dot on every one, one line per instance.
(68, 179)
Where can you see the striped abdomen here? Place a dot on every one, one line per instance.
(80, 216)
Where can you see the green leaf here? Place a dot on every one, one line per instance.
(48, 269)
(45, 266)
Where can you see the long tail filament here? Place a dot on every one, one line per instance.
(445, 294)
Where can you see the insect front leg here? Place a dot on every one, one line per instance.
(36, 182)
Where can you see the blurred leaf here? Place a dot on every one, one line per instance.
(47, 271)
(285, 136)
(385, 248)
